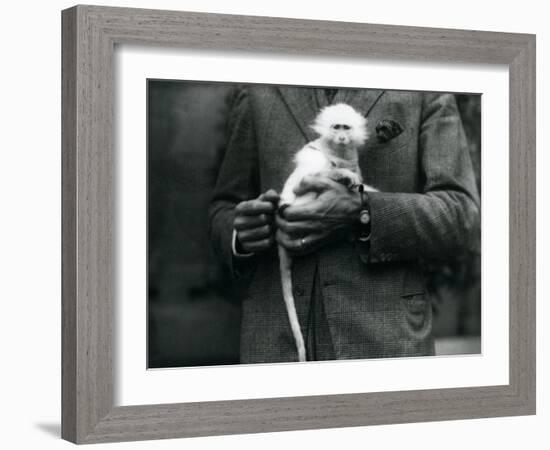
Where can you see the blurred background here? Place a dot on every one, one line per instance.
(194, 312)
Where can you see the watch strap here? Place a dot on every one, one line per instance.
(364, 226)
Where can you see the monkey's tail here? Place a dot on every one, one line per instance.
(285, 262)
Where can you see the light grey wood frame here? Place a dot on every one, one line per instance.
(89, 36)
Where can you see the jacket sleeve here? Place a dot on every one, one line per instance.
(238, 179)
(442, 220)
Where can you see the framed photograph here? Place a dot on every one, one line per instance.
(278, 224)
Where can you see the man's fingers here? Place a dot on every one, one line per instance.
(248, 222)
(254, 234)
(258, 246)
(299, 228)
(291, 244)
(256, 212)
(311, 183)
(301, 212)
(254, 207)
(300, 245)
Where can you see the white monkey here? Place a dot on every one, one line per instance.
(342, 130)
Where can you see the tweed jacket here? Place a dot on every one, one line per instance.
(427, 209)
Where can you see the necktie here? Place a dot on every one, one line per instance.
(330, 93)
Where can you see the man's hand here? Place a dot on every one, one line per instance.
(304, 228)
(254, 223)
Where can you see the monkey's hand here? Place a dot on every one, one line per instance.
(254, 223)
(345, 176)
(303, 228)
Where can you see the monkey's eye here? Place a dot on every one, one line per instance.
(336, 127)
(346, 127)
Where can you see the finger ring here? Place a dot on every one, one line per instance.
(303, 243)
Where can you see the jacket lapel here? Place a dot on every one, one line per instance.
(302, 105)
(363, 100)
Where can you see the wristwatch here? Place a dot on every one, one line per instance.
(364, 226)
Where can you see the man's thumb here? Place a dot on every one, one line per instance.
(269, 196)
(311, 184)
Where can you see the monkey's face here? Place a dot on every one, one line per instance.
(341, 135)
(341, 127)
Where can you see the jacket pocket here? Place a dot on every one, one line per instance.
(414, 300)
(381, 149)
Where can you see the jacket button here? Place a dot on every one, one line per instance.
(299, 291)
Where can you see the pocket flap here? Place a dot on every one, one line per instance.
(414, 283)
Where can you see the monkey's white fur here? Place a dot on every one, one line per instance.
(342, 130)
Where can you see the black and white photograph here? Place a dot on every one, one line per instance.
(276, 225)
(291, 224)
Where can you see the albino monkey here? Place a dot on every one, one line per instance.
(342, 130)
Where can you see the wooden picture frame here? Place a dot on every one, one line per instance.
(89, 37)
